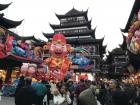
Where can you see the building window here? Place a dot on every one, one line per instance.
(93, 49)
(118, 69)
(63, 20)
(64, 32)
(80, 18)
(121, 59)
(75, 31)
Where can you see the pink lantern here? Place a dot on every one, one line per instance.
(31, 69)
(24, 68)
(139, 14)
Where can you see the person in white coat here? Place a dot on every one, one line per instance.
(61, 96)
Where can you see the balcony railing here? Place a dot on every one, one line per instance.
(71, 23)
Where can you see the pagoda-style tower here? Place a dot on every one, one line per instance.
(77, 29)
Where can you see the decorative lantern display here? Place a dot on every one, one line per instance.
(2, 74)
(28, 69)
(41, 74)
(58, 63)
(31, 69)
(82, 76)
(2, 37)
(133, 39)
(24, 68)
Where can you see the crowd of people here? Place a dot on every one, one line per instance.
(84, 92)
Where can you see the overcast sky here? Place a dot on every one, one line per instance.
(108, 15)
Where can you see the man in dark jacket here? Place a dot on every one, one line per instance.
(26, 95)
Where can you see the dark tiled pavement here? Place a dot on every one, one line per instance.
(7, 101)
(10, 101)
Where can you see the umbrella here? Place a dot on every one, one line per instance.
(40, 88)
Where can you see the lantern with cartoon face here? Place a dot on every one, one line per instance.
(24, 68)
(31, 70)
(58, 47)
(58, 63)
(28, 69)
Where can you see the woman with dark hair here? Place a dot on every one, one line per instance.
(61, 96)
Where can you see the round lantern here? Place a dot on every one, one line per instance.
(32, 69)
(24, 68)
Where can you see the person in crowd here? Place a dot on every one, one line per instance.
(59, 84)
(41, 91)
(102, 96)
(109, 100)
(71, 89)
(121, 97)
(61, 96)
(49, 95)
(20, 85)
(81, 86)
(129, 94)
(137, 99)
(27, 94)
(87, 97)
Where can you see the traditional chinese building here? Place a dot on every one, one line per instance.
(116, 63)
(78, 32)
(4, 6)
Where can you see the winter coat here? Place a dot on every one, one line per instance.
(87, 97)
(61, 99)
(26, 96)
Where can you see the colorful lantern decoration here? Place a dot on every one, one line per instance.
(41, 73)
(31, 70)
(38, 53)
(17, 49)
(133, 39)
(2, 74)
(2, 54)
(9, 43)
(81, 61)
(28, 69)
(58, 63)
(82, 76)
(2, 46)
(24, 68)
